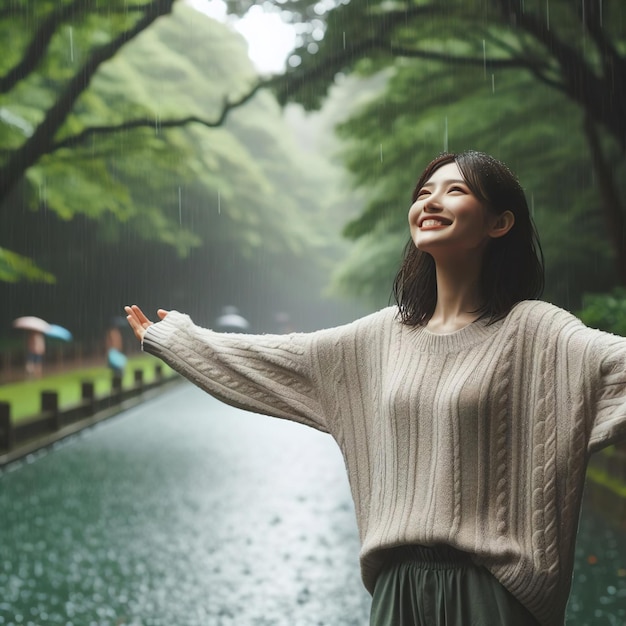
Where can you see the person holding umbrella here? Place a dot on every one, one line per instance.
(35, 328)
(35, 351)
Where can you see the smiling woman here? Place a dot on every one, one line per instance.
(465, 414)
(446, 203)
(473, 251)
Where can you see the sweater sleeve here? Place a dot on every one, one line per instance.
(608, 360)
(286, 376)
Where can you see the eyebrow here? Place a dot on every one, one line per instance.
(446, 182)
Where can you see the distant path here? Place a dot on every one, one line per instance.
(186, 512)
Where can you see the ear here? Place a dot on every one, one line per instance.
(501, 224)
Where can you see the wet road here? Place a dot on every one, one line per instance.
(185, 512)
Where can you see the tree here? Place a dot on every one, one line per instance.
(576, 49)
(572, 47)
(243, 213)
(52, 112)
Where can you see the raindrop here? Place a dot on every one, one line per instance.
(493, 83)
(485, 58)
(445, 134)
(381, 152)
(583, 20)
(43, 195)
(219, 203)
(180, 207)
(344, 39)
(601, 22)
(71, 44)
(548, 14)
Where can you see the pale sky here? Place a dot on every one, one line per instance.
(270, 40)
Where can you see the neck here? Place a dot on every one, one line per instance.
(458, 295)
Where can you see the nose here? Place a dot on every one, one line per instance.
(432, 204)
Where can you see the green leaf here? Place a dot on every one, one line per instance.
(15, 267)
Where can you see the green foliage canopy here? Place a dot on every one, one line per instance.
(138, 144)
(145, 165)
(390, 140)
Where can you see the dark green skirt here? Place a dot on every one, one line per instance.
(440, 586)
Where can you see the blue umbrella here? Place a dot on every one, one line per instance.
(58, 332)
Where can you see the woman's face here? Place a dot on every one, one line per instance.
(447, 219)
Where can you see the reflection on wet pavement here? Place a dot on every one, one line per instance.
(182, 512)
(186, 512)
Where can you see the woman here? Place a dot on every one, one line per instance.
(465, 414)
(35, 352)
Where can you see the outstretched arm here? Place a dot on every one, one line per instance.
(303, 377)
(265, 374)
(608, 360)
(138, 321)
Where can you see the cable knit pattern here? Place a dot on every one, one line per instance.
(502, 411)
(477, 439)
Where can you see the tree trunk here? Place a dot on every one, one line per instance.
(609, 197)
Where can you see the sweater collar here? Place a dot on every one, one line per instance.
(470, 335)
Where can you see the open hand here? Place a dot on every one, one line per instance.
(138, 321)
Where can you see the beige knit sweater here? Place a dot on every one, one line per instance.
(477, 439)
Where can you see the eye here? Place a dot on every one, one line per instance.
(457, 188)
(422, 192)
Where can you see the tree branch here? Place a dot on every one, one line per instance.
(43, 35)
(579, 81)
(93, 131)
(39, 44)
(609, 197)
(590, 14)
(350, 52)
(40, 141)
(295, 80)
(461, 60)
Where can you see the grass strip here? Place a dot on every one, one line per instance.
(25, 397)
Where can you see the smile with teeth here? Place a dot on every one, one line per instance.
(433, 222)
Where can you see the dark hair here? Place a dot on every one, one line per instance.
(512, 268)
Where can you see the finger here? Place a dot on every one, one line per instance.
(162, 313)
(130, 312)
(132, 320)
(136, 328)
(133, 323)
(141, 318)
(130, 316)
